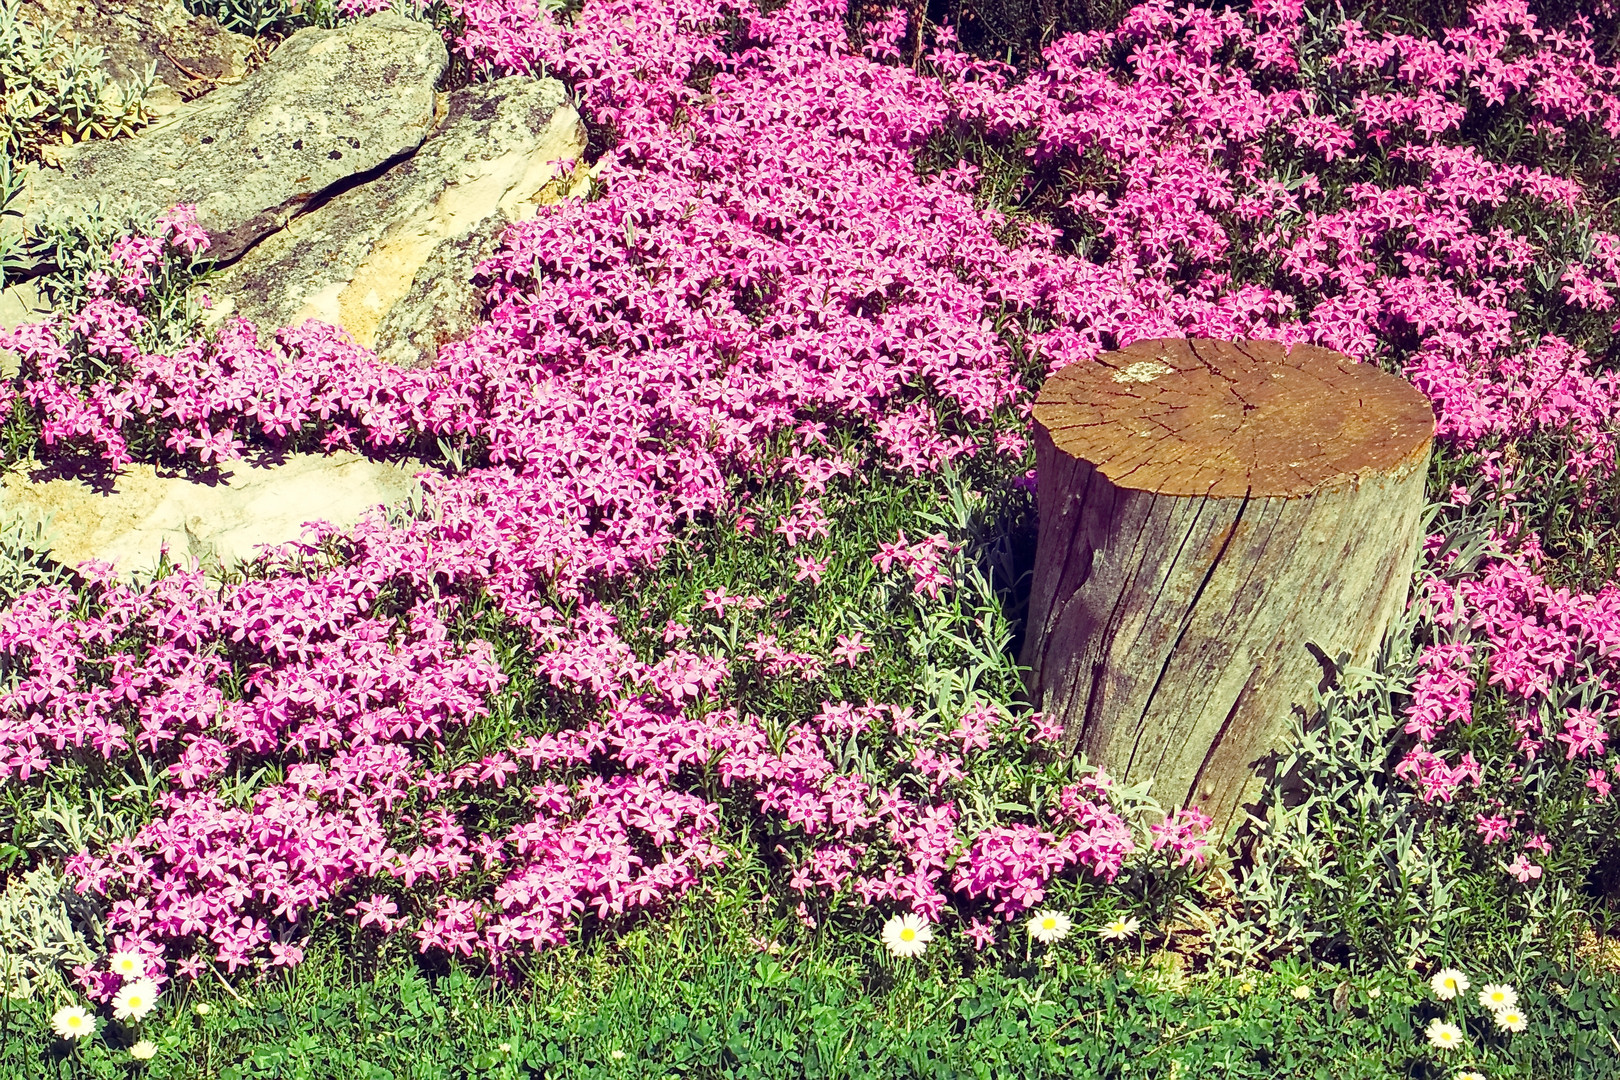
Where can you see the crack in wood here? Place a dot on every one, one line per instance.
(1186, 621)
(1193, 792)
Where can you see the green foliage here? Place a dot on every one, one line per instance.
(56, 92)
(1345, 862)
(272, 21)
(1016, 30)
(72, 245)
(691, 998)
(37, 935)
(250, 17)
(1350, 865)
(24, 560)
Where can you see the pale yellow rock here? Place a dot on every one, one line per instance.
(514, 185)
(219, 524)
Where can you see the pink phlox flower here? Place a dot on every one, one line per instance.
(179, 222)
(285, 955)
(1185, 835)
(845, 718)
(1434, 777)
(939, 768)
(806, 520)
(850, 648)
(1598, 781)
(1584, 733)
(982, 932)
(377, 911)
(810, 569)
(903, 719)
(1493, 829)
(1524, 870)
(972, 731)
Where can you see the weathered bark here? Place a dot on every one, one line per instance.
(1207, 509)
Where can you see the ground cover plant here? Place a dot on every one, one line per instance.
(678, 733)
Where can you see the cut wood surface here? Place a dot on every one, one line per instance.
(1207, 509)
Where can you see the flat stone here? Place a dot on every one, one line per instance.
(327, 106)
(220, 524)
(392, 261)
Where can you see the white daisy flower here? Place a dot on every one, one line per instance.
(134, 999)
(1448, 983)
(1119, 929)
(1049, 926)
(907, 935)
(145, 1050)
(1470, 1076)
(1444, 1036)
(1511, 1019)
(72, 1022)
(127, 964)
(1497, 997)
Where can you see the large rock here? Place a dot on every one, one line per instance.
(220, 524)
(392, 261)
(193, 53)
(328, 105)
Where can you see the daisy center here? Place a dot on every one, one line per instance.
(1048, 924)
(908, 934)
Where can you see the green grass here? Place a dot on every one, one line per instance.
(691, 996)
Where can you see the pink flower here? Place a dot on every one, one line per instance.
(1047, 730)
(1185, 835)
(810, 569)
(285, 955)
(1598, 781)
(1493, 829)
(1583, 733)
(376, 911)
(1523, 869)
(982, 932)
(850, 648)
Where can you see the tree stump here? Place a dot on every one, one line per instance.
(1210, 512)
